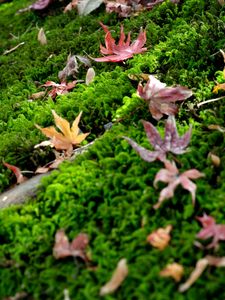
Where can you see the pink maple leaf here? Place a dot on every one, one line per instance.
(59, 88)
(124, 49)
(76, 248)
(171, 176)
(211, 230)
(161, 98)
(171, 142)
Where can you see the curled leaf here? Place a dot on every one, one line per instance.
(42, 37)
(160, 238)
(85, 7)
(117, 278)
(90, 76)
(173, 270)
(77, 248)
(17, 172)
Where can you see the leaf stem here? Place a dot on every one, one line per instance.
(209, 101)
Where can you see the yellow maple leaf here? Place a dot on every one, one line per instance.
(69, 137)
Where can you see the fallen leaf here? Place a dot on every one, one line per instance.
(171, 142)
(214, 159)
(160, 238)
(42, 37)
(196, 273)
(117, 278)
(38, 6)
(211, 230)
(59, 88)
(90, 76)
(37, 95)
(171, 176)
(161, 98)
(124, 49)
(124, 8)
(17, 172)
(68, 138)
(216, 127)
(18, 296)
(77, 248)
(85, 7)
(70, 6)
(173, 270)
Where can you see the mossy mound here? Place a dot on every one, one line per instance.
(108, 192)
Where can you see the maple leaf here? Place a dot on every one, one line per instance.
(68, 137)
(59, 88)
(77, 248)
(171, 142)
(173, 270)
(161, 98)
(171, 176)
(211, 230)
(38, 5)
(117, 278)
(124, 8)
(160, 238)
(124, 49)
(17, 172)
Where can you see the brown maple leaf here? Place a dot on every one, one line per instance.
(211, 230)
(124, 49)
(171, 142)
(77, 248)
(171, 176)
(17, 172)
(161, 98)
(68, 138)
(59, 88)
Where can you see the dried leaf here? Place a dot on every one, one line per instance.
(42, 37)
(161, 98)
(90, 76)
(215, 159)
(124, 49)
(38, 6)
(77, 248)
(71, 5)
(59, 88)
(216, 127)
(211, 230)
(173, 270)
(68, 138)
(18, 296)
(171, 176)
(160, 238)
(117, 278)
(37, 95)
(171, 142)
(197, 272)
(85, 7)
(17, 172)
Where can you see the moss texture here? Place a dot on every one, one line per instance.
(108, 192)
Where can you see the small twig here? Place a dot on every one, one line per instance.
(13, 49)
(209, 101)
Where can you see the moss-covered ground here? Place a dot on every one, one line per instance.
(108, 191)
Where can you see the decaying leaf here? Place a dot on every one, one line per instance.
(171, 142)
(211, 230)
(124, 49)
(117, 278)
(90, 76)
(160, 238)
(38, 95)
(39, 5)
(171, 176)
(161, 98)
(77, 248)
(42, 37)
(59, 88)
(72, 66)
(68, 138)
(85, 7)
(173, 270)
(71, 5)
(17, 172)
(199, 269)
(216, 127)
(215, 159)
(17, 296)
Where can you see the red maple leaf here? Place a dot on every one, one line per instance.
(17, 172)
(63, 248)
(171, 176)
(59, 88)
(161, 98)
(211, 230)
(124, 49)
(171, 142)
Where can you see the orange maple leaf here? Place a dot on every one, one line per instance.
(69, 137)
